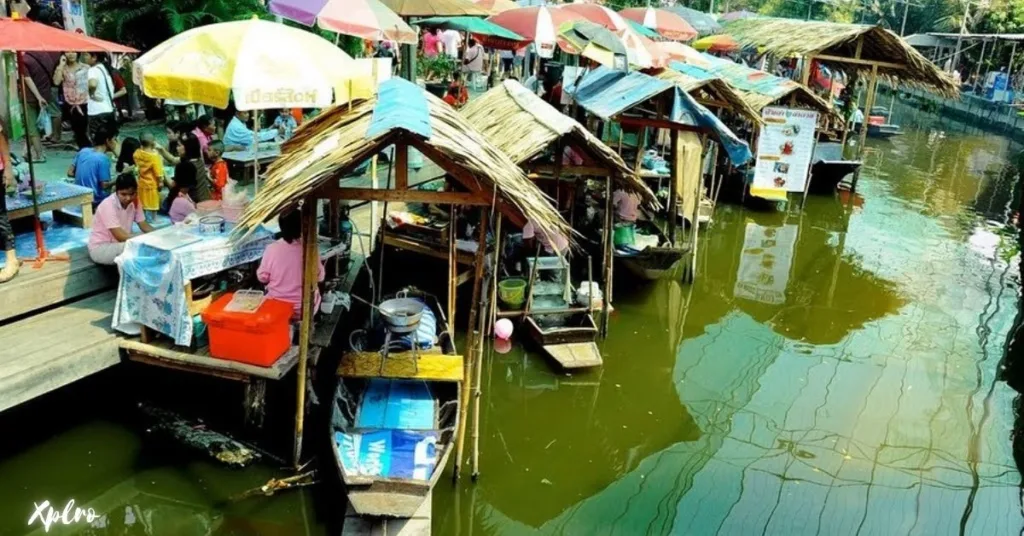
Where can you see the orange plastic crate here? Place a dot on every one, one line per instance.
(257, 338)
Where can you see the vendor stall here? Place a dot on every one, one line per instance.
(479, 174)
(638, 101)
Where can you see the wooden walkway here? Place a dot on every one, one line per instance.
(50, 350)
(55, 283)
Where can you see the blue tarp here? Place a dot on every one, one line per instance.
(739, 76)
(400, 104)
(606, 92)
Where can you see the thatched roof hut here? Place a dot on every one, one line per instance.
(343, 137)
(846, 47)
(525, 127)
(712, 91)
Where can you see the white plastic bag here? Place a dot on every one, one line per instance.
(43, 122)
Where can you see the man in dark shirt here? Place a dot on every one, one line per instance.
(39, 66)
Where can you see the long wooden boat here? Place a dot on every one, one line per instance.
(393, 421)
(828, 167)
(653, 262)
(572, 344)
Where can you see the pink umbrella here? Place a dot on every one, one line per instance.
(597, 14)
(537, 24)
(664, 22)
(367, 19)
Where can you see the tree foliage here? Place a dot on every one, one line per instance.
(144, 24)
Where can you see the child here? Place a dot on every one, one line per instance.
(452, 97)
(125, 161)
(150, 166)
(281, 267)
(218, 168)
(285, 123)
(182, 204)
(461, 93)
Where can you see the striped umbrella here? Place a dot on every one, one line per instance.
(662, 21)
(536, 24)
(367, 19)
(496, 6)
(597, 14)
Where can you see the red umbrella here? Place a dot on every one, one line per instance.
(664, 22)
(537, 24)
(20, 36)
(597, 14)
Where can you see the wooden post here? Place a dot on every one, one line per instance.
(477, 394)
(493, 316)
(255, 146)
(608, 256)
(310, 260)
(453, 271)
(374, 209)
(673, 196)
(401, 166)
(474, 310)
(868, 103)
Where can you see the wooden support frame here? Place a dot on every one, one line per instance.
(408, 196)
(658, 123)
(309, 281)
(857, 61)
(863, 137)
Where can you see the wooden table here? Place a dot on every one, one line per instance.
(56, 196)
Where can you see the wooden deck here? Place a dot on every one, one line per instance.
(164, 353)
(50, 350)
(55, 283)
(431, 366)
(417, 525)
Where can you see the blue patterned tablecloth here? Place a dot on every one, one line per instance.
(151, 290)
(54, 191)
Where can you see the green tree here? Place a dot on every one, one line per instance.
(144, 24)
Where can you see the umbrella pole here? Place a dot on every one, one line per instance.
(255, 146)
(41, 254)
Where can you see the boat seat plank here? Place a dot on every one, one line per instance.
(50, 350)
(164, 353)
(575, 355)
(416, 525)
(435, 367)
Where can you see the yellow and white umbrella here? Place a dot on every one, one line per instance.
(265, 64)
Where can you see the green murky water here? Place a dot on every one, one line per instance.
(835, 371)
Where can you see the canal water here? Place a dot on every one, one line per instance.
(841, 369)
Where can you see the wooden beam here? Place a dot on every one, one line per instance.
(407, 196)
(657, 123)
(401, 166)
(592, 171)
(310, 262)
(860, 47)
(859, 61)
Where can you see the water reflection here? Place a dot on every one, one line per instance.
(832, 371)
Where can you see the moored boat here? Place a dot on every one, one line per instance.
(393, 418)
(568, 338)
(651, 256)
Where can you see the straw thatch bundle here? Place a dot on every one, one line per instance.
(715, 89)
(524, 127)
(788, 37)
(337, 141)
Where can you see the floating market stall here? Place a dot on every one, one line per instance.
(857, 49)
(641, 101)
(538, 137)
(479, 174)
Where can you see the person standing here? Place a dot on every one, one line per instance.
(431, 43)
(73, 78)
(11, 263)
(101, 96)
(452, 43)
(204, 131)
(38, 73)
(474, 64)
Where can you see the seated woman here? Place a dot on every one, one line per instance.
(112, 223)
(181, 201)
(281, 267)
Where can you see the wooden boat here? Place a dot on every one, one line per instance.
(571, 344)
(829, 168)
(653, 262)
(393, 421)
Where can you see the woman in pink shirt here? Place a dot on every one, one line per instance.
(204, 131)
(281, 267)
(112, 223)
(431, 43)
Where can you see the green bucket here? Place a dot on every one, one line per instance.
(512, 291)
(624, 234)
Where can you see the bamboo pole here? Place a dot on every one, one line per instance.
(474, 309)
(310, 260)
(673, 196)
(608, 256)
(453, 272)
(493, 316)
(255, 146)
(477, 394)
(868, 103)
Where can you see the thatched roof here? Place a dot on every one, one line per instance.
(788, 37)
(341, 138)
(524, 126)
(712, 89)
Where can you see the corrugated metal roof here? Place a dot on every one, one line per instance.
(400, 104)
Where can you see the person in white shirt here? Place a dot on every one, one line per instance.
(452, 42)
(100, 106)
(474, 64)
